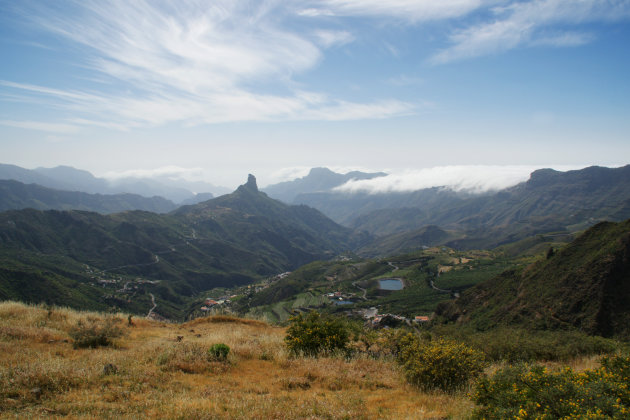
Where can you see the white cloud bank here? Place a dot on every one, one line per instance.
(471, 179)
(169, 172)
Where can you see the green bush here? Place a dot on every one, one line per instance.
(219, 351)
(531, 391)
(439, 364)
(314, 334)
(515, 345)
(95, 332)
(522, 345)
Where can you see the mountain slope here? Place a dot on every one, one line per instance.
(404, 242)
(227, 241)
(317, 180)
(586, 285)
(298, 232)
(550, 201)
(579, 197)
(15, 195)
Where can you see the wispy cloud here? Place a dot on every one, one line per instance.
(194, 62)
(567, 39)
(520, 24)
(334, 38)
(413, 10)
(58, 128)
(471, 179)
(500, 25)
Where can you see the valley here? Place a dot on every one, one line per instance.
(235, 245)
(549, 292)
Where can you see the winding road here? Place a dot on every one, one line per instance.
(154, 305)
(434, 287)
(354, 283)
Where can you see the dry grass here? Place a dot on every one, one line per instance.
(162, 376)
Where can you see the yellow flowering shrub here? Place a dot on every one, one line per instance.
(313, 334)
(533, 392)
(439, 364)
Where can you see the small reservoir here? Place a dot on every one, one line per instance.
(390, 284)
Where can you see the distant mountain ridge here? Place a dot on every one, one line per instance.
(317, 180)
(548, 201)
(71, 179)
(15, 195)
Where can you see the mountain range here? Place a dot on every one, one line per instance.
(15, 195)
(67, 178)
(71, 257)
(226, 241)
(575, 196)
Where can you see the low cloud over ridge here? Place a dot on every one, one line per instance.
(475, 179)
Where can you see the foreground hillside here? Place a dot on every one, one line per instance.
(585, 285)
(155, 373)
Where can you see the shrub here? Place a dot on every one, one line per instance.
(515, 345)
(95, 332)
(314, 334)
(219, 351)
(439, 364)
(531, 391)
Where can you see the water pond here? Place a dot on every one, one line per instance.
(390, 284)
(342, 302)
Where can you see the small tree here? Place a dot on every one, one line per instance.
(314, 334)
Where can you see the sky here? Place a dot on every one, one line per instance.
(214, 90)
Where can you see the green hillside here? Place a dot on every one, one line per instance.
(224, 242)
(584, 286)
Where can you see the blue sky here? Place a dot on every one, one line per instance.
(218, 89)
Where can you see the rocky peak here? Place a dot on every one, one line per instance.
(251, 183)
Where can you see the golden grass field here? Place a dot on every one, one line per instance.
(42, 375)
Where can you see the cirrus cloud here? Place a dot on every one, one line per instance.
(191, 62)
(517, 24)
